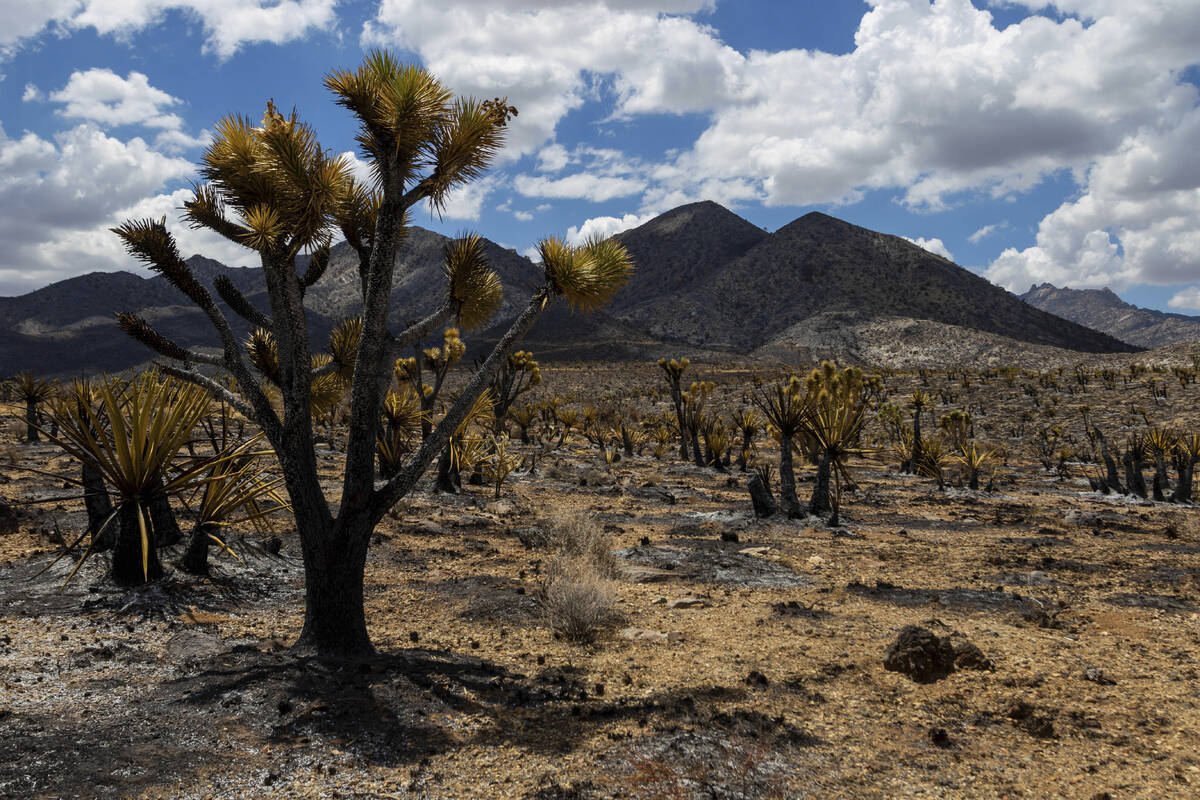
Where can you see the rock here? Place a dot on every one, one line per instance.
(920, 655)
(687, 602)
(816, 562)
(756, 678)
(642, 574)
(193, 644)
(938, 737)
(659, 601)
(1027, 717)
(968, 656)
(754, 551)
(642, 635)
(1096, 675)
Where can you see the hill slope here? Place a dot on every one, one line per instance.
(819, 264)
(1103, 310)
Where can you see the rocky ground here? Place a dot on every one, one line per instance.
(748, 662)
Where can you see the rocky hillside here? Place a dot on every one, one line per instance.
(705, 279)
(1102, 310)
(819, 264)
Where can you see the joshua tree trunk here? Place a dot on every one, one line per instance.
(741, 459)
(31, 419)
(697, 456)
(821, 501)
(334, 616)
(447, 481)
(1183, 487)
(1133, 475)
(127, 549)
(760, 496)
(1112, 479)
(195, 558)
(162, 517)
(683, 431)
(915, 463)
(99, 507)
(787, 480)
(1161, 482)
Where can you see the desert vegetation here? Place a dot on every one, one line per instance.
(368, 565)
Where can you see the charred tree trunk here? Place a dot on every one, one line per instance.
(1183, 486)
(761, 498)
(448, 481)
(697, 456)
(162, 517)
(787, 480)
(99, 507)
(128, 549)
(822, 501)
(1112, 479)
(683, 431)
(914, 465)
(31, 419)
(195, 558)
(1162, 483)
(335, 621)
(741, 459)
(1133, 475)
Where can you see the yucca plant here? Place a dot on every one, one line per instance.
(674, 369)
(1186, 454)
(695, 416)
(747, 422)
(499, 463)
(783, 405)
(518, 374)
(974, 459)
(32, 391)
(934, 457)
(834, 418)
(274, 189)
(1160, 442)
(133, 437)
(425, 371)
(919, 401)
(231, 491)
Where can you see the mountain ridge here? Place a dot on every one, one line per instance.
(1104, 310)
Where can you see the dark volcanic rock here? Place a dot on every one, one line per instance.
(920, 654)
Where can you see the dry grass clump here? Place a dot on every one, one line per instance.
(578, 590)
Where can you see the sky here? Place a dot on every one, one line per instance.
(1029, 141)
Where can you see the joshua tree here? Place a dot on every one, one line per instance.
(1187, 453)
(834, 420)
(517, 375)
(674, 368)
(784, 407)
(918, 402)
(33, 391)
(1160, 442)
(274, 189)
(436, 361)
(749, 423)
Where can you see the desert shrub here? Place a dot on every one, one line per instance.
(578, 600)
(578, 591)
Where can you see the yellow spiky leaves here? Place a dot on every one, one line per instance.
(674, 367)
(263, 351)
(472, 285)
(414, 130)
(587, 276)
(522, 361)
(344, 340)
(284, 187)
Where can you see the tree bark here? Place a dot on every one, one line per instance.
(31, 416)
(787, 480)
(127, 549)
(162, 517)
(195, 559)
(821, 502)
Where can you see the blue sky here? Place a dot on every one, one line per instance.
(1029, 141)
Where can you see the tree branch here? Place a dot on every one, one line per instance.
(240, 305)
(386, 496)
(213, 388)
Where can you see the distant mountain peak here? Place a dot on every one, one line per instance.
(1104, 310)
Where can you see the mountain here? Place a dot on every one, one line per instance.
(820, 265)
(1103, 310)
(705, 279)
(682, 248)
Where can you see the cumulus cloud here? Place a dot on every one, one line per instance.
(102, 96)
(32, 93)
(59, 197)
(1137, 220)
(596, 188)
(1186, 300)
(935, 246)
(934, 102)
(228, 26)
(604, 227)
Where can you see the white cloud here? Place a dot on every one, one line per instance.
(581, 186)
(523, 216)
(466, 201)
(1186, 300)
(935, 246)
(552, 158)
(1137, 220)
(102, 96)
(58, 198)
(604, 227)
(31, 94)
(986, 231)
(228, 24)
(934, 101)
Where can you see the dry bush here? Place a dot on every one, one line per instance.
(578, 589)
(578, 600)
(581, 536)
